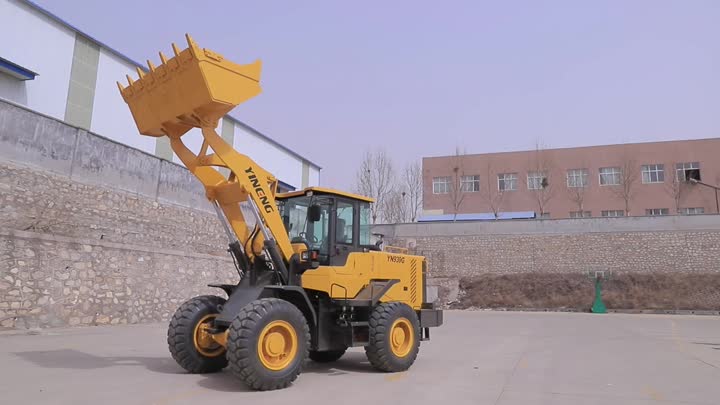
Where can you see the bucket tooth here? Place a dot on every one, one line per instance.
(120, 87)
(150, 65)
(191, 44)
(189, 40)
(130, 80)
(141, 74)
(163, 59)
(176, 49)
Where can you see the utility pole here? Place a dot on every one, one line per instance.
(716, 188)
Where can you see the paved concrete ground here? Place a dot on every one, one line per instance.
(475, 358)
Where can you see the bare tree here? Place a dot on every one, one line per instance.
(404, 201)
(577, 196)
(542, 184)
(577, 189)
(412, 177)
(375, 179)
(457, 195)
(628, 177)
(676, 188)
(395, 207)
(491, 194)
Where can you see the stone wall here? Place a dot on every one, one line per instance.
(44, 143)
(78, 254)
(463, 251)
(56, 281)
(39, 201)
(94, 232)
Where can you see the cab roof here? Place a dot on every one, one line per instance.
(324, 191)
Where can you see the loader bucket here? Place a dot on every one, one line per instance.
(195, 88)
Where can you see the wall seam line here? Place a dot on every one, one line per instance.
(112, 245)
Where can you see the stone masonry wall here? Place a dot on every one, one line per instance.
(637, 252)
(663, 247)
(45, 202)
(56, 281)
(79, 254)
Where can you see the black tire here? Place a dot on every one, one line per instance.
(379, 351)
(326, 356)
(180, 336)
(245, 332)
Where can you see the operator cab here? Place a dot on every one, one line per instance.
(332, 222)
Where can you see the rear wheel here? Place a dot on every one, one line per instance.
(327, 356)
(188, 338)
(394, 337)
(268, 343)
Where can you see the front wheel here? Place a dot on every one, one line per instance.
(188, 338)
(394, 337)
(268, 343)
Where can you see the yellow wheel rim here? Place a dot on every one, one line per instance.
(203, 340)
(277, 345)
(402, 337)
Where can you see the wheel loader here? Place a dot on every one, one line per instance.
(311, 283)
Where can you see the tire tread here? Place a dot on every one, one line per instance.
(377, 351)
(242, 337)
(181, 326)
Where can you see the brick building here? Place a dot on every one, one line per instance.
(636, 179)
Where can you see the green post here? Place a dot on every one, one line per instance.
(598, 306)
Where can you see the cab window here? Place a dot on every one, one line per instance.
(344, 223)
(365, 215)
(300, 230)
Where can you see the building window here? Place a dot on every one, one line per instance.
(687, 171)
(536, 181)
(470, 184)
(441, 185)
(577, 178)
(610, 176)
(612, 213)
(580, 214)
(654, 212)
(692, 211)
(507, 181)
(653, 173)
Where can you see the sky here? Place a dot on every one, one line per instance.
(421, 78)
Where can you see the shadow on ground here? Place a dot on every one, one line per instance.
(75, 359)
(715, 346)
(352, 362)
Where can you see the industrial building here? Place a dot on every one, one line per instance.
(53, 68)
(638, 179)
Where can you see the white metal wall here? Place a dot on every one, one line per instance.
(280, 163)
(13, 89)
(45, 46)
(111, 117)
(314, 179)
(42, 45)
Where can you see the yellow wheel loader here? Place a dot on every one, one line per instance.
(311, 282)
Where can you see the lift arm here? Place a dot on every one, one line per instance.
(194, 89)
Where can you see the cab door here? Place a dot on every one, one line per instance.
(342, 233)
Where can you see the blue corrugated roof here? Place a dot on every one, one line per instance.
(15, 70)
(144, 68)
(485, 216)
(285, 185)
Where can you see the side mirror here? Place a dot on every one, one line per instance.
(314, 213)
